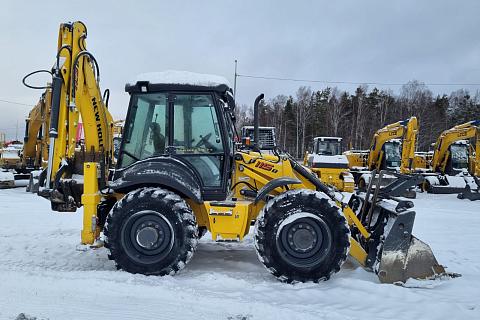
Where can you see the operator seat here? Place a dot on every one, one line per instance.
(158, 138)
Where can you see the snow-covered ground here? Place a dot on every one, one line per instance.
(44, 276)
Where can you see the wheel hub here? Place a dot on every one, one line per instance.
(148, 237)
(303, 239)
(304, 242)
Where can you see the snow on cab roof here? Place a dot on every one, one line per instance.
(327, 138)
(252, 127)
(182, 77)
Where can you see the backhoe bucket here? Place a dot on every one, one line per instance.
(405, 256)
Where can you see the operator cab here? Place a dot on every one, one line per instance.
(392, 157)
(327, 153)
(179, 127)
(458, 160)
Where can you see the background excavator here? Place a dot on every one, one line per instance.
(392, 150)
(33, 154)
(180, 173)
(329, 164)
(455, 162)
(35, 144)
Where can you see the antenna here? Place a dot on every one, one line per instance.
(235, 81)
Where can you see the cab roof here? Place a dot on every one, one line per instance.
(173, 80)
(327, 138)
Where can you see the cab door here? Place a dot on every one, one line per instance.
(197, 139)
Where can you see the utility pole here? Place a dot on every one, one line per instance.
(235, 81)
(16, 132)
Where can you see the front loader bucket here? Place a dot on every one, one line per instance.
(403, 255)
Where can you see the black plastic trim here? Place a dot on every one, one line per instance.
(165, 172)
(273, 184)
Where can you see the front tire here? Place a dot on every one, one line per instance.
(151, 231)
(302, 236)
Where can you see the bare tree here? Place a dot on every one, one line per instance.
(336, 112)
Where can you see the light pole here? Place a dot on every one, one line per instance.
(235, 81)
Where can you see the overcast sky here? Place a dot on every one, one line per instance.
(356, 41)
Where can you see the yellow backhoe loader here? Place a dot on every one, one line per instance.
(329, 164)
(180, 173)
(455, 163)
(392, 150)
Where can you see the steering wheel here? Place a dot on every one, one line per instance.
(204, 140)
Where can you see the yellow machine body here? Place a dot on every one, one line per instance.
(252, 179)
(337, 178)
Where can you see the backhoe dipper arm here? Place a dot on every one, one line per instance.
(75, 94)
(464, 131)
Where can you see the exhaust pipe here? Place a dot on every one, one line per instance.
(256, 134)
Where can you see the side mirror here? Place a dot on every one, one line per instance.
(230, 101)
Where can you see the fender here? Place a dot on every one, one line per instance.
(160, 171)
(273, 184)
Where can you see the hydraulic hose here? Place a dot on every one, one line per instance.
(74, 68)
(31, 74)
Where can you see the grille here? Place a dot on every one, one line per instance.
(266, 139)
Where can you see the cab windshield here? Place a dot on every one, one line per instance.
(328, 147)
(195, 128)
(459, 154)
(392, 154)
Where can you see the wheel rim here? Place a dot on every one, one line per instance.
(303, 240)
(147, 237)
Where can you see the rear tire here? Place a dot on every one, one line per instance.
(151, 231)
(302, 236)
